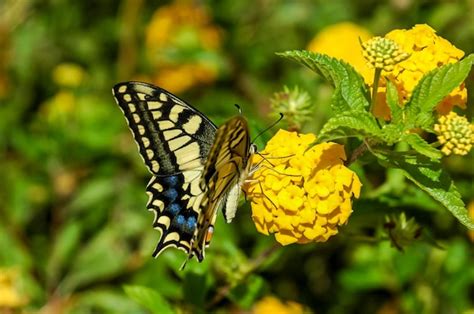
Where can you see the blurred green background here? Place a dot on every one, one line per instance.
(73, 224)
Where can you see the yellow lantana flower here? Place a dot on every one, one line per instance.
(273, 305)
(183, 44)
(455, 133)
(341, 41)
(382, 53)
(301, 194)
(427, 52)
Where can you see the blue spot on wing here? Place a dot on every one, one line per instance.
(179, 220)
(171, 180)
(174, 208)
(171, 194)
(190, 225)
(186, 225)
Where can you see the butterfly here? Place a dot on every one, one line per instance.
(197, 167)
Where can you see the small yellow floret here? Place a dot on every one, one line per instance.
(382, 53)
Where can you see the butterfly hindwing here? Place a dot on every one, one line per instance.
(175, 200)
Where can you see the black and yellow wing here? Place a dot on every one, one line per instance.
(226, 168)
(174, 140)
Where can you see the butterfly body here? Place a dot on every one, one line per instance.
(225, 169)
(197, 168)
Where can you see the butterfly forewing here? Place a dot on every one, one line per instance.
(171, 135)
(174, 140)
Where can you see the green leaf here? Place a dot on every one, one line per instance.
(246, 293)
(396, 110)
(338, 102)
(65, 244)
(433, 88)
(363, 277)
(195, 288)
(421, 146)
(149, 298)
(353, 123)
(428, 175)
(341, 75)
(391, 133)
(13, 251)
(103, 257)
(103, 300)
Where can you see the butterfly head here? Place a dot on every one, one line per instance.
(253, 148)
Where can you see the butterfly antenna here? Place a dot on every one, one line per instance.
(238, 108)
(269, 127)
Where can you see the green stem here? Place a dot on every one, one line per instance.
(360, 150)
(253, 265)
(375, 88)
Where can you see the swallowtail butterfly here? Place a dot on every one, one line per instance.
(197, 168)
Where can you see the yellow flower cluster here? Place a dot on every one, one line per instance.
(382, 53)
(341, 41)
(299, 194)
(455, 133)
(177, 37)
(427, 52)
(273, 305)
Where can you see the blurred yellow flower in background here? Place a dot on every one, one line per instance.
(427, 52)
(58, 107)
(183, 46)
(68, 75)
(10, 296)
(273, 305)
(341, 41)
(301, 195)
(470, 209)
